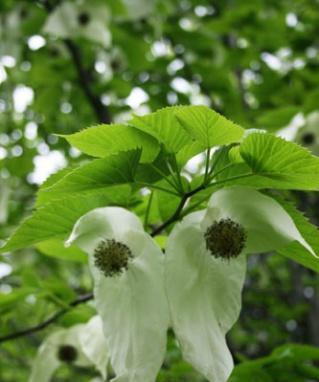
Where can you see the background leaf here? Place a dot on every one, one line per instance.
(56, 248)
(94, 176)
(164, 127)
(284, 164)
(56, 219)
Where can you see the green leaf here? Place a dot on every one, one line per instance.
(56, 219)
(10, 300)
(279, 366)
(250, 373)
(55, 177)
(295, 251)
(297, 351)
(103, 140)
(50, 181)
(189, 151)
(280, 163)
(97, 174)
(208, 127)
(56, 248)
(164, 126)
(166, 203)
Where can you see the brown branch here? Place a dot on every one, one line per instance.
(85, 80)
(177, 212)
(42, 325)
(84, 75)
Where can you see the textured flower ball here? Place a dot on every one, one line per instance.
(225, 239)
(112, 257)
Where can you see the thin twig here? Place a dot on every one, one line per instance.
(176, 214)
(178, 210)
(42, 325)
(207, 165)
(148, 209)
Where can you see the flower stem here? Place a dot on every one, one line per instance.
(177, 214)
(163, 175)
(148, 209)
(155, 187)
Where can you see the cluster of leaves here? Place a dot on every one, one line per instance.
(150, 152)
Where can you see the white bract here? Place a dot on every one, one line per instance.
(80, 345)
(65, 21)
(308, 134)
(203, 288)
(127, 267)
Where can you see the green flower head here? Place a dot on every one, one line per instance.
(112, 257)
(225, 239)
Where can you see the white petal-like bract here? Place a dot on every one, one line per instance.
(269, 227)
(204, 297)
(132, 304)
(204, 292)
(87, 340)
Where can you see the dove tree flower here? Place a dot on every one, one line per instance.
(127, 267)
(308, 134)
(80, 345)
(205, 270)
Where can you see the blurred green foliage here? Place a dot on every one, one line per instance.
(68, 65)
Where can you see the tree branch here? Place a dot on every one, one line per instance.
(178, 210)
(33, 329)
(203, 186)
(85, 81)
(84, 75)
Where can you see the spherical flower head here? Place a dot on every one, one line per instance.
(112, 257)
(225, 239)
(67, 353)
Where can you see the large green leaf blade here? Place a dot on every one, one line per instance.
(280, 163)
(56, 219)
(208, 127)
(164, 126)
(103, 140)
(55, 248)
(95, 175)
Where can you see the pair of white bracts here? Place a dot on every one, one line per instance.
(187, 289)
